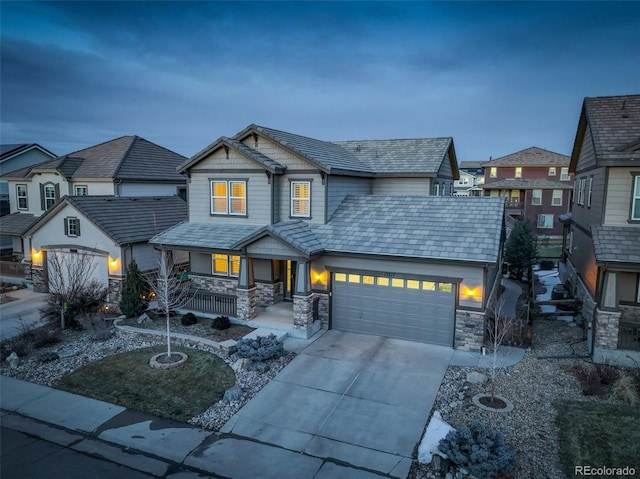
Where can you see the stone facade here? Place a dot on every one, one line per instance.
(39, 278)
(214, 284)
(469, 334)
(246, 303)
(114, 291)
(269, 293)
(606, 329)
(587, 304)
(303, 312)
(323, 309)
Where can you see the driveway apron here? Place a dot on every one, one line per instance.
(359, 399)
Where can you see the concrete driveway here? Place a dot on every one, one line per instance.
(360, 399)
(21, 314)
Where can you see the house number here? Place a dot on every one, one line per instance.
(389, 275)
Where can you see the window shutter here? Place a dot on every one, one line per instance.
(56, 188)
(42, 202)
(77, 226)
(66, 226)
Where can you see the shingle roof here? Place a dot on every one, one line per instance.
(420, 155)
(11, 148)
(16, 224)
(533, 156)
(615, 124)
(125, 219)
(204, 235)
(127, 157)
(616, 243)
(471, 165)
(433, 227)
(521, 184)
(298, 234)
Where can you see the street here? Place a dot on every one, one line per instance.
(22, 313)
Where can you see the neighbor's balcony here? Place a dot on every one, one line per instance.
(514, 206)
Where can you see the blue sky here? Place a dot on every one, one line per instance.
(497, 77)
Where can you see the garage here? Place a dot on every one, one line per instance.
(394, 306)
(71, 263)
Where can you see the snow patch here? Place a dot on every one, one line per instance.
(436, 430)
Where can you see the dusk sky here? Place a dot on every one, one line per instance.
(497, 77)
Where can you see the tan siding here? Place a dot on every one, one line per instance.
(317, 197)
(258, 198)
(219, 159)
(279, 154)
(619, 190)
(401, 186)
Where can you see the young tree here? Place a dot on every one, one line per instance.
(132, 302)
(521, 251)
(71, 288)
(499, 326)
(168, 290)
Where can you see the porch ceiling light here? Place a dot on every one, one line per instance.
(471, 292)
(113, 262)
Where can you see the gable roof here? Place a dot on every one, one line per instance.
(124, 158)
(532, 156)
(17, 224)
(471, 165)
(614, 123)
(204, 235)
(298, 234)
(9, 150)
(619, 244)
(125, 220)
(396, 157)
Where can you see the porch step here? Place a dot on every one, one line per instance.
(256, 333)
(282, 309)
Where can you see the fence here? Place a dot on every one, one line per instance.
(629, 336)
(209, 302)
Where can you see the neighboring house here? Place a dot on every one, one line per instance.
(537, 186)
(105, 231)
(603, 242)
(126, 166)
(345, 235)
(466, 185)
(474, 168)
(14, 157)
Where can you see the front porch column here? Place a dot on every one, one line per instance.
(303, 302)
(246, 302)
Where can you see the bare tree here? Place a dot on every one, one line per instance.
(70, 283)
(168, 290)
(499, 327)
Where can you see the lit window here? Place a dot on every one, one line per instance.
(445, 287)
(493, 172)
(368, 280)
(556, 200)
(428, 285)
(536, 197)
(635, 202)
(341, 277)
(225, 265)
(382, 281)
(21, 195)
(354, 278)
(81, 190)
(552, 171)
(228, 197)
(397, 283)
(413, 284)
(545, 221)
(301, 198)
(71, 226)
(518, 172)
(564, 174)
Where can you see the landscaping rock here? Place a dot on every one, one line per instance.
(241, 364)
(474, 377)
(13, 360)
(48, 356)
(66, 353)
(258, 366)
(143, 318)
(232, 394)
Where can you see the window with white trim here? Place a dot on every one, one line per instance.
(436, 189)
(564, 174)
(228, 197)
(301, 199)
(545, 221)
(493, 172)
(225, 265)
(21, 196)
(536, 197)
(581, 183)
(49, 196)
(589, 191)
(552, 171)
(72, 226)
(518, 172)
(556, 199)
(635, 200)
(81, 190)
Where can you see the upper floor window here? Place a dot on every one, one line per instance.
(49, 193)
(21, 195)
(81, 190)
(564, 174)
(226, 265)
(556, 199)
(436, 189)
(589, 191)
(228, 197)
(301, 199)
(493, 172)
(635, 200)
(536, 197)
(552, 171)
(518, 172)
(71, 226)
(545, 221)
(581, 184)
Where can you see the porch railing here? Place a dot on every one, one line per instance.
(629, 336)
(12, 268)
(209, 302)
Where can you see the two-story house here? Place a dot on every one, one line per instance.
(537, 186)
(53, 212)
(471, 179)
(603, 244)
(361, 236)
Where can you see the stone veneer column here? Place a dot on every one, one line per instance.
(303, 312)
(323, 309)
(246, 303)
(606, 329)
(114, 292)
(39, 279)
(469, 333)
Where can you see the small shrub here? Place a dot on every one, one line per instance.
(97, 325)
(220, 323)
(547, 265)
(259, 349)
(626, 389)
(189, 319)
(480, 450)
(43, 337)
(595, 379)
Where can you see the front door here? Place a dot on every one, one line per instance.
(290, 279)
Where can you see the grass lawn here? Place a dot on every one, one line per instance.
(127, 380)
(598, 435)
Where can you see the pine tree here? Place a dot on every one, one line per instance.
(521, 251)
(132, 302)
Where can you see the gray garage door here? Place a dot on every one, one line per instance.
(396, 307)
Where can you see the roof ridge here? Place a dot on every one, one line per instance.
(124, 155)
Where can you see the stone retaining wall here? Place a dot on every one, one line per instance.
(214, 284)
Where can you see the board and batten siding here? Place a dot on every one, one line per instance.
(445, 170)
(401, 186)
(338, 187)
(258, 198)
(618, 200)
(317, 196)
